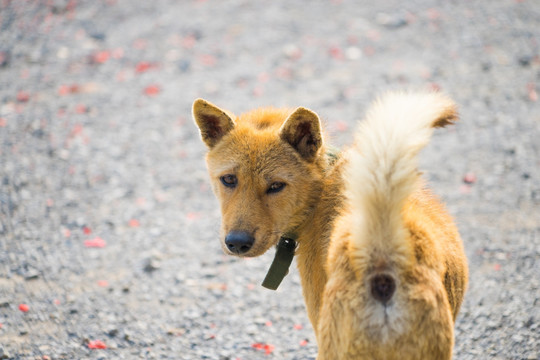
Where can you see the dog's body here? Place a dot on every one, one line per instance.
(270, 170)
(396, 267)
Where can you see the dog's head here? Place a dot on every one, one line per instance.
(265, 169)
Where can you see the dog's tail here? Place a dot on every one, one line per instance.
(382, 172)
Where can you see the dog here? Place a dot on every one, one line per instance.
(275, 177)
(396, 267)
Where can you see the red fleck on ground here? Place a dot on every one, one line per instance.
(189, 41)
(24, 307)
(267, 348)
(81, 109)
(336, 53)
(531, 89)
(96, 344)
(208, 60)
(23, 96)
(152, 90)
(96, 242)
(435, 87)
(101, 57)
(342, 126)
(68, 89)
(194, 216)
(469, 178)
(144, 66)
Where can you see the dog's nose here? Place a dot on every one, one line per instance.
(383, 287)
(239, 242)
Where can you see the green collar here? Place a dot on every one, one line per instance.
(282, 260)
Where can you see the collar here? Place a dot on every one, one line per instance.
(282, 261)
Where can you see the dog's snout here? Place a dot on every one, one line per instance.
(383, 287)
(239, 242)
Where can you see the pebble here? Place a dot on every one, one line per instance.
(4, 354)
(5, 58)
(292, 51)
(391, 21)
(353, 53)
(31, 274)
(184, 65)
(525, 60)
(152, 264)
(176, 331)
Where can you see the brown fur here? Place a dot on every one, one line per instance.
(270, 145)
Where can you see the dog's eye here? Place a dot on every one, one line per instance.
(275, 187)
(229, 180)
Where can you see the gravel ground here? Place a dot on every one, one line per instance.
(108, 227)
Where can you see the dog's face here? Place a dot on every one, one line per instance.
(263, 170)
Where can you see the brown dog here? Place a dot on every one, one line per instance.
(273, 176)
(396, 268)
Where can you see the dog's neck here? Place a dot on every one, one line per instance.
(310, 238)
(313, 238)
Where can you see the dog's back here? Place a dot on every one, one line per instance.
(396, 267)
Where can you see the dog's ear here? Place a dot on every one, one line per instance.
(302, 130)
(213, 122)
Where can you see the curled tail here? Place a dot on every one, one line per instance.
(383, 173)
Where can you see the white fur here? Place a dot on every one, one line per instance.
(383, 166)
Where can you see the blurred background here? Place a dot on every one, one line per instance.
(109, 230)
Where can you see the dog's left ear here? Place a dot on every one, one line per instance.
(213, 122)
(302, 130)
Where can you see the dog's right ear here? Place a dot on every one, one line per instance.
(213, 122)
(302, 130)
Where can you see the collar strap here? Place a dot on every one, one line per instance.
(281, 263)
